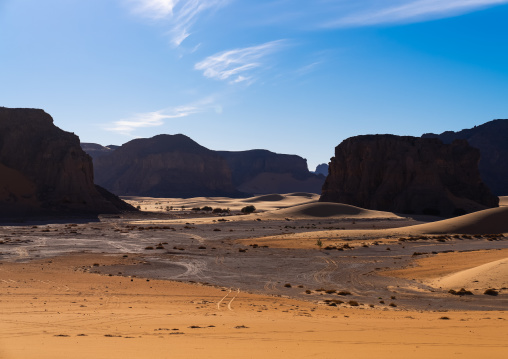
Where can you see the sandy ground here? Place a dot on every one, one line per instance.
(185, 284)
(52, 309)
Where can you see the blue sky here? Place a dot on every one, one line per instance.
(291, 76)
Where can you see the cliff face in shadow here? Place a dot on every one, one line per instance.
(43, 169)
(407, 175)
(264, 172)
(176, 166)
(164, 166)
(95, 150)
(491, 139)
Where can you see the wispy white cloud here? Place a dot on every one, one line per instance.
(156, 118)
(154, 9)
(412, 11)
(235, 64)
(180, 14)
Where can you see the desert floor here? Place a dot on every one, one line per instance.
(298, 279)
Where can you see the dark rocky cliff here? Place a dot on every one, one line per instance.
(43, 169)
(164, 166)
(491, 139)
(263, 172)
(407, 175)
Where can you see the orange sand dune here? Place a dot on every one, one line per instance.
(492, 220)
(489, 275)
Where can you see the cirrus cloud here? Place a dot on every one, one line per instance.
(234, 65)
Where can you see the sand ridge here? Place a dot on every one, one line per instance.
(489, 221)
(483, 277)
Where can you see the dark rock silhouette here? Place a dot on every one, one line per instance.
(322, 169)
(176, 166)
(264, 172)
(164, 166)
(95, 150)
(407, 175)
(491, 139)
(43, 170)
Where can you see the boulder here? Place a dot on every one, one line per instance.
(407, 175)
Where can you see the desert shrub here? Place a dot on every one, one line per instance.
(248, 209)
(461, 292)
(217, 210)
(195, 209)
(353, 303)
(491, 291)
(287, 285)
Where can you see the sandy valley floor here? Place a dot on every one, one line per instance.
(183, 284)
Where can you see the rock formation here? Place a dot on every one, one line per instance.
(95, 150)
(176, 166)
(264, 172)
(322, 169)
(43, 170)
(164, 166)
(407, 175)
(491, 139)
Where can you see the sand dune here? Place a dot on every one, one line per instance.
(492, 220)
(327, 210)
(266, 197)
(490, 275)
(262, 203)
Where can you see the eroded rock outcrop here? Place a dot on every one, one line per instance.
(491, 139)
(322, 169)
(43, 170)
(164, 166)
(407, 175)
(264, 172)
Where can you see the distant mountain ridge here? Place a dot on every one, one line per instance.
(164, 166)
(177, 166)
(491, 139)
(264, 172)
